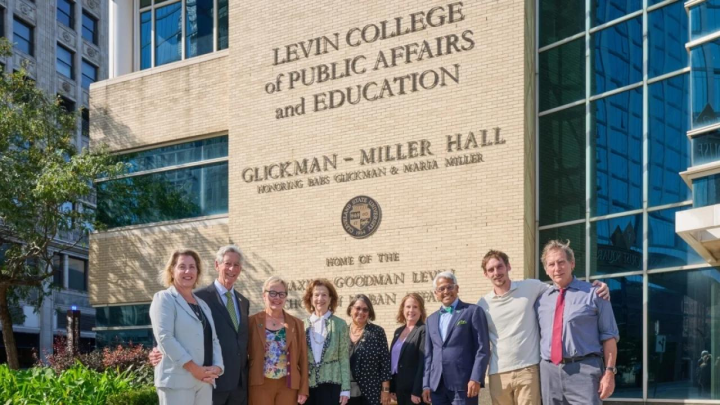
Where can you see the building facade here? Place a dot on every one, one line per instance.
(378, 144)
(63, 46)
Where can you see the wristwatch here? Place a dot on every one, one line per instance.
(386, 389)
(613, 369)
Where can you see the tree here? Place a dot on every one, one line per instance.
(41, 175)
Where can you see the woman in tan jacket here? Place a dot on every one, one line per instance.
(278, 351)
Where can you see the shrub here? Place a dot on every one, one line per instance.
(119, 358)
(76, 385)
(143, 396)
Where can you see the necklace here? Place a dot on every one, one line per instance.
(274, 322)
(199, 313)
(321, 333)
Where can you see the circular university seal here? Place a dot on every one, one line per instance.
(361, 217)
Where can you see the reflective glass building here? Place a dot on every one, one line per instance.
(626, 104)
(593, 121)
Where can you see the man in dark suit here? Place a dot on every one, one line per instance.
(456, 348)
(230, 313)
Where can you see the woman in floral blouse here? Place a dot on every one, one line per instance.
(278, 351)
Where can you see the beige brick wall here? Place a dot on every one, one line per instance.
(439, 219)
(125, 265)
(144, 109)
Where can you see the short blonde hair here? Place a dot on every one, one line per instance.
(556, 244)
(274, 280)
(166, 277)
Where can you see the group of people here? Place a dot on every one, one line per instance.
(210, 350)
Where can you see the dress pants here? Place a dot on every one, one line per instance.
(444, 396)
(571, 383)
(238, 396)
(273, 392)
(324, 394)
(199, 394)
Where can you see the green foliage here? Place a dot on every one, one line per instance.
(45, 183)
(142, 396)
(76, 385)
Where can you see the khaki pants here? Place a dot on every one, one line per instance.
(516, 387)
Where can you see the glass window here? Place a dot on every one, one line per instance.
(706, 148)
(175, 194)
(706, 191)
(222, 24)
(705, 83)
(665, 247)
(617, 56)
(85, 116)
(669, 120)
(560, 19)
(167, 33)
(64, 62)
(607, 10)
(89, 28)
(57, 266)
(145, 3)
(77, 274)
(69, 106)
(183, 153)
(616, 244)
(145, 40)
(2, 22)
(23, 36)
(705, 18)
(198, 27)
(123, 315)
(562, 75)
(573, 233)
(89, 74)
(683, 321)
(112, 338)
(562, 166)
(616, 140)
(65, 12)
(667, 35)
(626, 296)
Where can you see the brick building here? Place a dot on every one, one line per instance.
(377, 143)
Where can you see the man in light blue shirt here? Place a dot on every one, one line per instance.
(578, 334)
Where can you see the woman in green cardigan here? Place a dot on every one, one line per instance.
(328, 346)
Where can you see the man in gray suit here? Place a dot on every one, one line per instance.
(230, 313)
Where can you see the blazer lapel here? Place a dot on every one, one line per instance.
(409, 338)
(241, 308)
(260, 329)
(221, 308)
(453, 321)
(184, 305)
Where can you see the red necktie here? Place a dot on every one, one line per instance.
(556, 349)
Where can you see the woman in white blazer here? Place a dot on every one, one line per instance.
(185, 333)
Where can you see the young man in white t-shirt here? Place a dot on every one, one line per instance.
(514, 332)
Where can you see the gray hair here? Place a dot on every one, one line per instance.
(229, 249)
(558, 245)
(446, 275)
(274, 280)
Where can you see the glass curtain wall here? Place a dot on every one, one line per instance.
(614, 109)
(175, 30)
(180, 181)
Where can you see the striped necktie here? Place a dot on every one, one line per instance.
(231, 309)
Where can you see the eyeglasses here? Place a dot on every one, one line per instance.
(446, 288)
(276, 294)
(362, 309)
